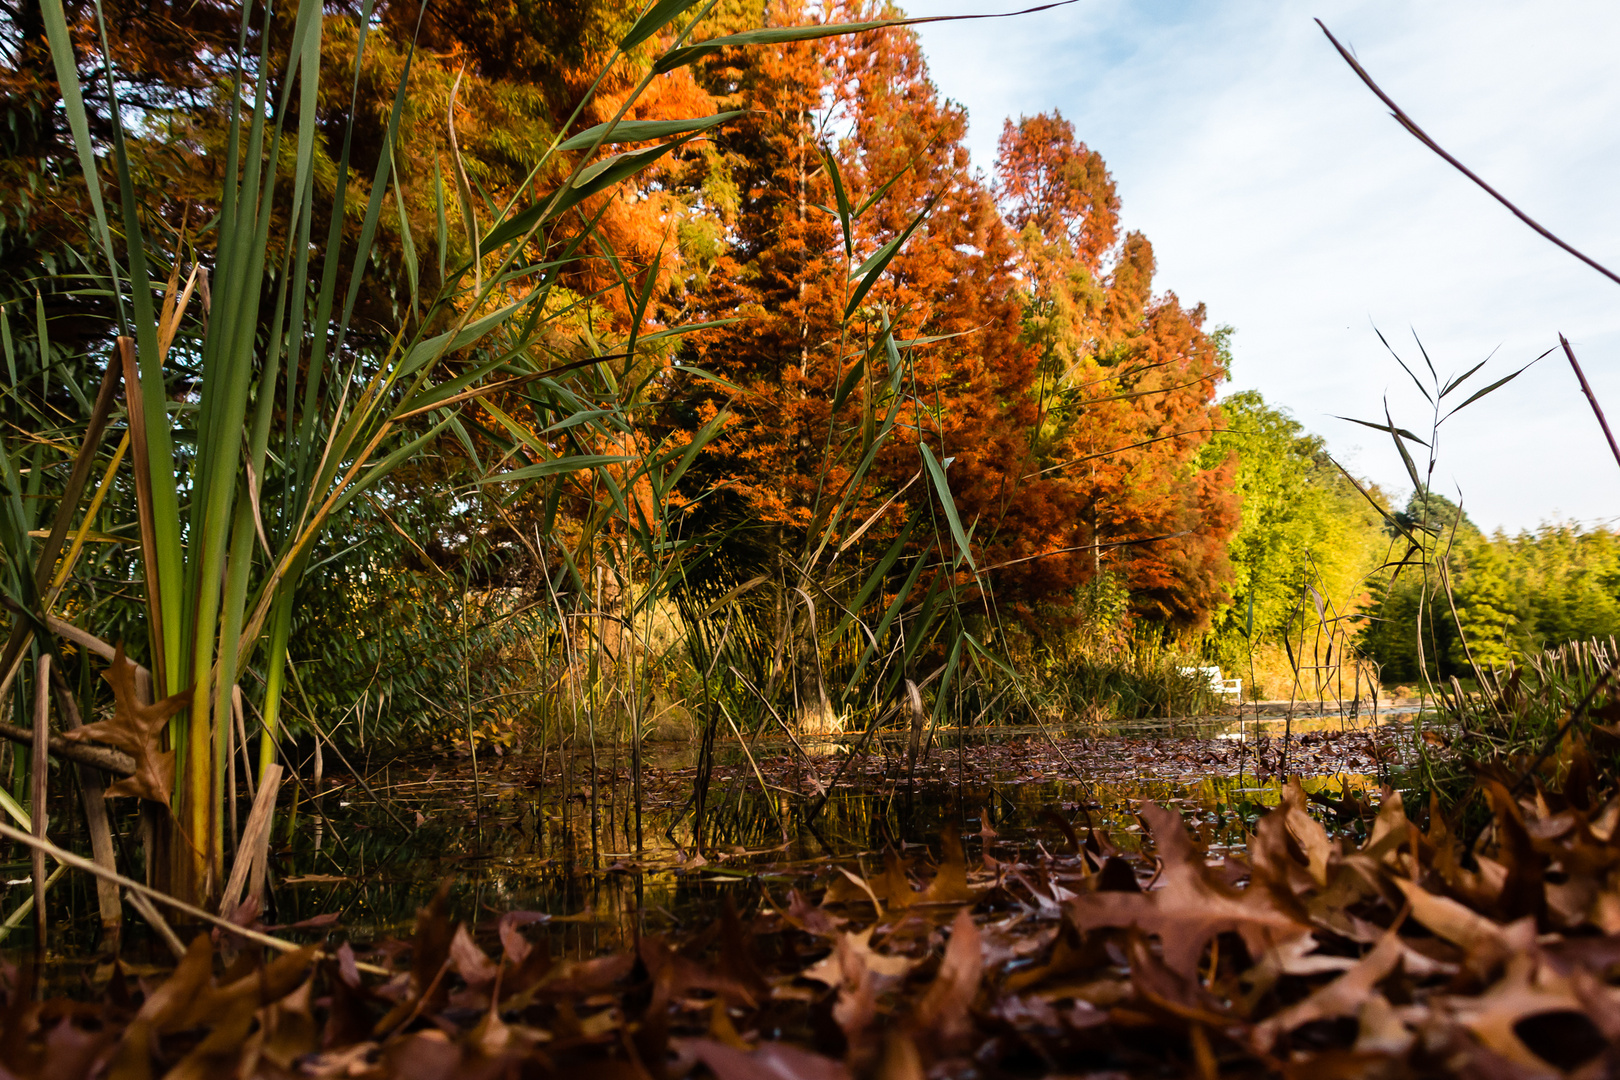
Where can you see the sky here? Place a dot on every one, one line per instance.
(1277, 190)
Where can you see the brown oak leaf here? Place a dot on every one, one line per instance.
(137, 730)
(1190, 906)
(943, 1011)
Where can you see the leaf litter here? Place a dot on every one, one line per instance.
(1399, 954)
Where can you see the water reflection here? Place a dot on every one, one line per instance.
(530, 843)
(532, 847)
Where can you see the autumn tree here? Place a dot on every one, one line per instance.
(1125, 393)
(955, 283)
(166, 55)
(933, 347)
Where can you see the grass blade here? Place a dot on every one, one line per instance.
(626, 131)
(936, 474)
(870, 270)
(653, 20)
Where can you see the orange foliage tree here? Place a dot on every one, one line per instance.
(846, 151)
(1126, 389)
(1069, 400)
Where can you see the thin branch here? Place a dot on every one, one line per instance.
(95, 755)
(1423, 137)
(1586, 388)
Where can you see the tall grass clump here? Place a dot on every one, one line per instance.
(250, 463)
(1107, 666)
(281, 416)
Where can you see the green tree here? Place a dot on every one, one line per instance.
(1484, 605)
(1304, 526)
(1435, 514)
(1515, 595)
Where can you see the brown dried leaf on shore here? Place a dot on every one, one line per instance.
(810, 918)
(1344, 996)
(1528, 988)
(853, 959)
(1466, 929)
(1162, 989)
(943, 1010)
(950, 884)
(1190, 905)
(771, 1061)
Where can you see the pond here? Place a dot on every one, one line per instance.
(532, 835)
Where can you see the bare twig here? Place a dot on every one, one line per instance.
(102, 757)
(1586, 388)
(1423, 137)
(143, 907)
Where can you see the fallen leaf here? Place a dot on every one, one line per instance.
(772, 1061)
(137, 730)
(1343, 996)
(852, 957)
(1189, 906)
(943, 1011)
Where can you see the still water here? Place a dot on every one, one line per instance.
(528, 837)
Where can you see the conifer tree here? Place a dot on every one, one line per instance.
(1127, 380)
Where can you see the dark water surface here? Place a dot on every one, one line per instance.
(522, 840)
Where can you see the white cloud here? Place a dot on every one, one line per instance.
(1276, 188)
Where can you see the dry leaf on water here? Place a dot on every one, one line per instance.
(137, 730)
